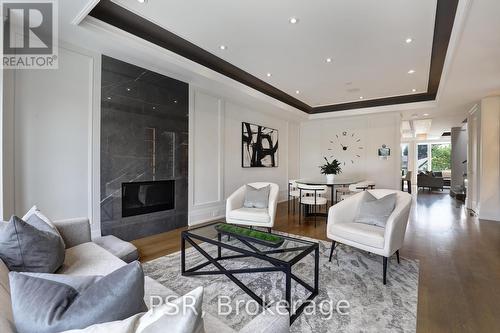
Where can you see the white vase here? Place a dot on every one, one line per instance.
(329, 178)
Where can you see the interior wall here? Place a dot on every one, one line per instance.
(52, 114)
(215, 157)
(473, 159)
(489, 177)
(459, 140)
(318, 139)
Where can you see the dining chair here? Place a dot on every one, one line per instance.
(293, 193)
(358, 187)
(407, 179)
(311, 196)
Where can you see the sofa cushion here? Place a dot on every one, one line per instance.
(250, 214)
(365, 234)
(160, 319)
(4, 276)
(256, 197)
(155, 293)
(89, 259)
(26, 248)
(47, 304)
(6, 318)
(124, 250)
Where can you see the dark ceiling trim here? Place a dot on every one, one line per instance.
(375, 102)
(124, 19)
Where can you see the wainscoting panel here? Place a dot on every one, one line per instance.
(207, 138)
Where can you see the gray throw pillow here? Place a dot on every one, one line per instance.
(375, 211)
(256, 197)
(45, 304)
(26, 248)
(37, 219)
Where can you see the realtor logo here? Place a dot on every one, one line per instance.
(30, 34)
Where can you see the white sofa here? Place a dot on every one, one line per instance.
(382, 241)
(83, 257)
(257, 217)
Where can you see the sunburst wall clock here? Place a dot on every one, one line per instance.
(346, 147)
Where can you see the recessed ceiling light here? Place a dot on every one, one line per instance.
(269, 74)
(293, 20)
(328, 59)
(223, 47)
(426, 114)
(128, 89)
(142, 1)
(411, 71)
(175, 101)
(361, 97)
(297, 92)
(409, 40)
(108, 97)
(154, 107)
(414, 90)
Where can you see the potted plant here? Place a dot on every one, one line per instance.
(330, 169)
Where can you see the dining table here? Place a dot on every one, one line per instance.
(322, 181)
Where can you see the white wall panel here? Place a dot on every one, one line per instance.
(207, 137)
(52, 130)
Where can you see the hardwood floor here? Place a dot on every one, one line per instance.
(459, 285)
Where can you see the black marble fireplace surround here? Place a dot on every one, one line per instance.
(144, 151)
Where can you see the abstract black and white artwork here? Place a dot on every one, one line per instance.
(259, 146)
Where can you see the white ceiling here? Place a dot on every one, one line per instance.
(472, 69)
(366, 40)
(473, 66)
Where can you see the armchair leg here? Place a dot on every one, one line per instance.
(269, 231)
(385, 269)
(331, 251)
(397, 256)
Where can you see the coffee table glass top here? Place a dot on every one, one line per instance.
(292, 249)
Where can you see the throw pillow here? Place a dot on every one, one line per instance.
(159, 318)
(25, 248)
(256, 197)
(375, 211)
(47, 304)
(37, 219)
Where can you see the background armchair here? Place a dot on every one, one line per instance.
(382, 241)
(258, 217)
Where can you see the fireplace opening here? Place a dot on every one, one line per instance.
(147, 197)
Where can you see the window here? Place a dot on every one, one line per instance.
(423, 157)
(441, 156)
(433, 156)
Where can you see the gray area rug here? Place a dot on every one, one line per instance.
(353, 275)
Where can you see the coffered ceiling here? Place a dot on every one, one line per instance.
(316, 56)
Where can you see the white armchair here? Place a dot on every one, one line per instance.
(258, 217)
(382, 241)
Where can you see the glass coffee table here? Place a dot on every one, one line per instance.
(277, 259)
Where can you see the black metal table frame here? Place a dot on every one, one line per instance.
(278, 266)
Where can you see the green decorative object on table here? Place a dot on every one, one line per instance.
(254, 236)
